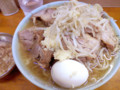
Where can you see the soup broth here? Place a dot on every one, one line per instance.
(44, 75)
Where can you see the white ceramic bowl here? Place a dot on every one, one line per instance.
(32, 78)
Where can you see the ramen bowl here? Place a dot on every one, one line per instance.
(39, 83)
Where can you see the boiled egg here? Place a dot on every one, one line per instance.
(69, 73)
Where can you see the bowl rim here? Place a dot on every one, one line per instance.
(24, 72)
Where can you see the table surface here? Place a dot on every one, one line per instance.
(16, 81)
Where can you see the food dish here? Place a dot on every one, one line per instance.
(6, 59)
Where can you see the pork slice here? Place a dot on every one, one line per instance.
(108, 37)
(89, 44)
(46, 56)
(39, 35)
(35, 52)
(27, 38)
(42, 56)
(31, 40)
(44, 15)
(89, 31)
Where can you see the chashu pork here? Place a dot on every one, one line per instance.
(107, 36)
(31, 41)
(44, 15)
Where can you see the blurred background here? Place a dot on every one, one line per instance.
(10, 7)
